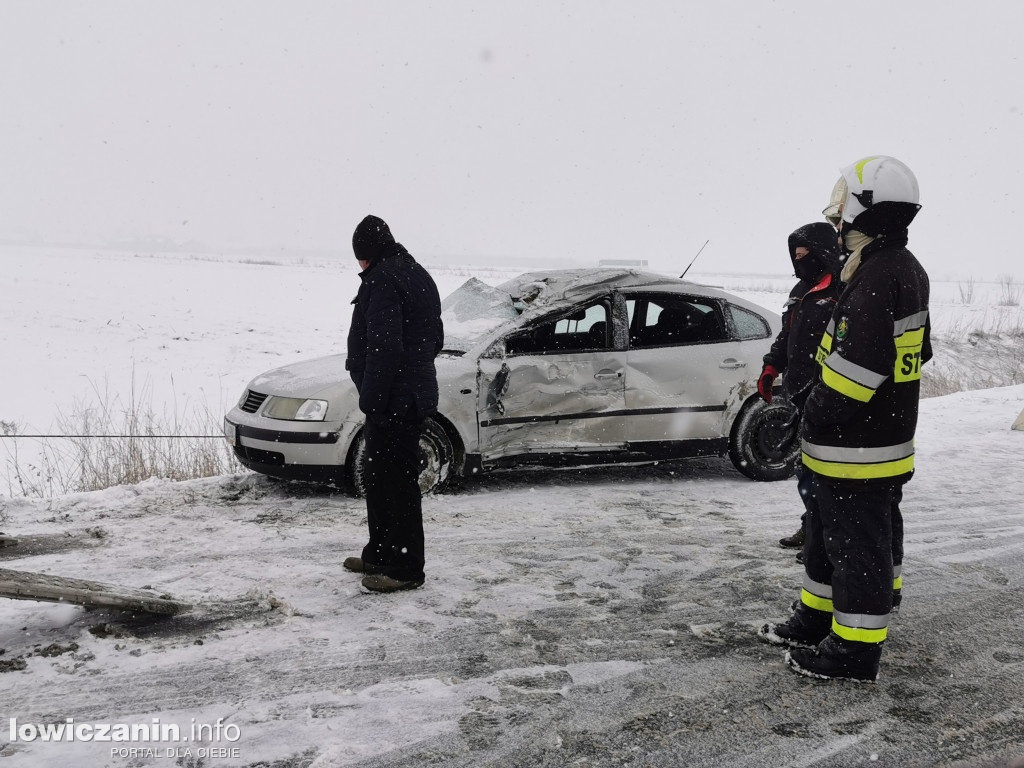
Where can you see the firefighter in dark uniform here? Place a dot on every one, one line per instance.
(814, 251)
(858, 431)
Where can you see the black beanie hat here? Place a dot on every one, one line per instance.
(372, 238)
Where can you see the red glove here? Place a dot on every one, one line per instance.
(765, 382)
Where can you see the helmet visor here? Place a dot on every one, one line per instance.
(833, 212)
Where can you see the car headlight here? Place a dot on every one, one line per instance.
(295, 409)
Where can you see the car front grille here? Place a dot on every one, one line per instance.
(253, 401)
(256, 456)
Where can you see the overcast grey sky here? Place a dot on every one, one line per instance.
(488, 131)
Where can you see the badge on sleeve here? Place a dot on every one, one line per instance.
(843, 328)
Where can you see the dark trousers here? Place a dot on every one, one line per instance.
(897, 545)
(393, 501)
(854, 541)
(805, 487)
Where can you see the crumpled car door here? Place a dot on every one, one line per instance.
(550, 400)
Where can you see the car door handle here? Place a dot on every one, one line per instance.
(732, 362)
(607, 374)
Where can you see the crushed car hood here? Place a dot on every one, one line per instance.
(308, 378)
(319, 377)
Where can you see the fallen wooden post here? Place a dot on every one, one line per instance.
(21, 585)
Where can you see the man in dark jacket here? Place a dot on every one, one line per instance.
(395, 335)
(858, 432)
(814, 251)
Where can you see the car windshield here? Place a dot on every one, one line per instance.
(472, 311)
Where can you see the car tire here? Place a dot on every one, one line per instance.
(756, 442)
(437, 456)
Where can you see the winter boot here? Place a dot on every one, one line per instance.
(805, 629)
(382, 583)
(359, 565)
(837, 659)
(795, 541)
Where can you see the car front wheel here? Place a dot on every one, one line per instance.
(436, 460)
(759, 445)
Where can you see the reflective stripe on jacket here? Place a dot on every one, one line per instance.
(861, 416)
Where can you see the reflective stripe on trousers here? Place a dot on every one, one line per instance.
(819, 596)
(816, 595)
(848, 557)
(860, 627)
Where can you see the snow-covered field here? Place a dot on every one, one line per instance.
(588, 617)
(184, 334)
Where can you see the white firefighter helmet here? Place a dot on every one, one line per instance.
(882, 194)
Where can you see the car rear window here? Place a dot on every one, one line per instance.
(747, 324)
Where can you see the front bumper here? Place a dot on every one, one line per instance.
(294, 451)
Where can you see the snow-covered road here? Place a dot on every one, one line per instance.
(587, 617)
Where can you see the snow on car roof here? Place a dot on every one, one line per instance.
(543, 288)
(475, 308)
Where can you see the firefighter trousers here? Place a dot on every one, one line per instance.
(854, 540)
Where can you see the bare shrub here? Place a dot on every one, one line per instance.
(3, 504)
(956, 329)
(117, 444)
(1007, 324)
(967, 291)
(42, 473)
(106, 443)
(991, 322)
(987, 355)
(936, 384)
(1009, 292)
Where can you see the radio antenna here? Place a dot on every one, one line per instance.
(694, 259)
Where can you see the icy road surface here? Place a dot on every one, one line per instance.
(590, 618)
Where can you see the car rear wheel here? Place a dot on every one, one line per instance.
(759, 446)
(436, 460)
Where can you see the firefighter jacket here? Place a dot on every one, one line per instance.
(860, 418)
(808, 309)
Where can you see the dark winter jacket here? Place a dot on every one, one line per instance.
(860, 418)
(808, 309)
(395, 335)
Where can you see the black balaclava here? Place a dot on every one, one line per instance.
(823, 243)
(372, 238)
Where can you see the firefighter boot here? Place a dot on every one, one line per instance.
(837, 659)
(804, 629)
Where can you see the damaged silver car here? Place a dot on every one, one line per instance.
(578, 366)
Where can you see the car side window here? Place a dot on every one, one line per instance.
(662, 321)
(586, 328)
(748, 325)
